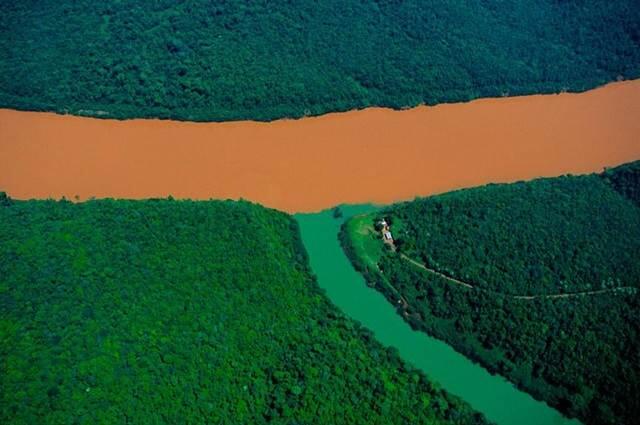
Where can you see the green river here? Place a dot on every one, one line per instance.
(498, 399)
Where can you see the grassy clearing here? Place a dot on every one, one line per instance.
(367, 243)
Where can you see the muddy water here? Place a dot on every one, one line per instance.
(374, 155)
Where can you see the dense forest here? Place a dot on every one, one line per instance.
(234, 59)
(165, 311)
(526, 248)
(626, 180)
(573, 234)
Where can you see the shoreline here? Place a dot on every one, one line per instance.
(374, 155)
(102, 115)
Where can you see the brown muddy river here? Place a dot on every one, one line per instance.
(374, 155)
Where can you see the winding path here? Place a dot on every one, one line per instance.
(516, 297)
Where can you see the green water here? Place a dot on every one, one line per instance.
(492, 395)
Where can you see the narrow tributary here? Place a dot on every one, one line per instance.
(498, 399)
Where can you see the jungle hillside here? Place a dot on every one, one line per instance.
(165, 311)
(206, 60)
(537, 281)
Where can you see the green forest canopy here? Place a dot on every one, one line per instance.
(235, 59)
(566, 234)
(548, 236)
(162, 311)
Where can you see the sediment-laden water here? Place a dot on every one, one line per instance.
(373, 155)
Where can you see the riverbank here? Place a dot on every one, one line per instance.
(492, 395)
(462, 272)
(374, 155)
